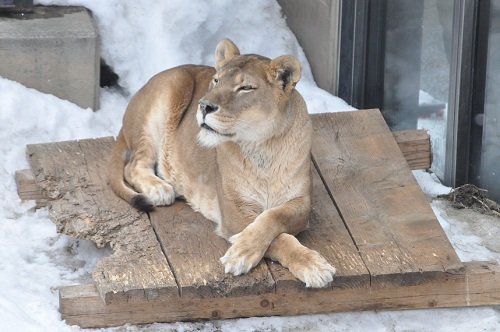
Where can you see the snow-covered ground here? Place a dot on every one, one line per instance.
(138, 40)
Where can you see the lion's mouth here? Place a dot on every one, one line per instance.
(207, 127)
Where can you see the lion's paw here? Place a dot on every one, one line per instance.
(161, 193)
(313, 270)
(243, 255)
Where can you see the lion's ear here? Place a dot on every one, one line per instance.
(224, 52)
(286, 70)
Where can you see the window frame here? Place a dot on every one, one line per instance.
(361, 74)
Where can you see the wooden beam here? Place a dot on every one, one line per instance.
(476, 285)
(27, 189)
(416, 147)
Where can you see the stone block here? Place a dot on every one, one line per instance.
(54, 50)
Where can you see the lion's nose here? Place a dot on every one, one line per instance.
(207, 107)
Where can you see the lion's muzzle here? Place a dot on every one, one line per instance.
(207, 107)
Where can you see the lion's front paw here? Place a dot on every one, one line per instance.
(243, 255)
(160, 193)
(312, 269)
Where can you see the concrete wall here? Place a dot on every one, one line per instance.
(54, 50)
(316, 24)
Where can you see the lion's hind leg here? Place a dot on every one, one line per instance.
(140, 173)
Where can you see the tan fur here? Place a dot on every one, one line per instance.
(235, 141)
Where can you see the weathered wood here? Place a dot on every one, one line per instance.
(369, 219)
(193, 250)
(416, 147)
(475, 285)
(414, 144)
(380, 202)
(73, 175)
(27, 189)
(327, 235)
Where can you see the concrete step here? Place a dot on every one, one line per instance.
(54, 50)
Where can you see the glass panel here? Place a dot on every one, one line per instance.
(490, 154)
(417, 69)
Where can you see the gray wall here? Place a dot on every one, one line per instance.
(316, 24)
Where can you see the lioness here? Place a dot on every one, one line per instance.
(235, 142)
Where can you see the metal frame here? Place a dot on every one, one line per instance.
(361, 74)
(460, 105)
(6, 4)
(16, 5)
(478, 90)
(361, 60)
(375, 54)
(352, 54)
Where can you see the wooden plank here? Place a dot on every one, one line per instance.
(27, 189)
(193, 251)
(478, 283)
(416, 147)
(73, 175)
(385, 211)
(328, 235)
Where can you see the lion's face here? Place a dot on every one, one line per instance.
(240, 104)
(246, 97)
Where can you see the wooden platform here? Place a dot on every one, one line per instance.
(369, 219)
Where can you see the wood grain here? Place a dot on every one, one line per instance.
(72, 174)
(193, 251)
(379, 200)
(27, 189)
(416, 147)
(478, 283)
(328, 235)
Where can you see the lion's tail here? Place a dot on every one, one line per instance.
(116, 177)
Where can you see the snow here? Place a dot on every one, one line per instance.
(138, 40)
(435, 124)
(474, 236)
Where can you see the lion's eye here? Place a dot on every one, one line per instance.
(246, 88)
